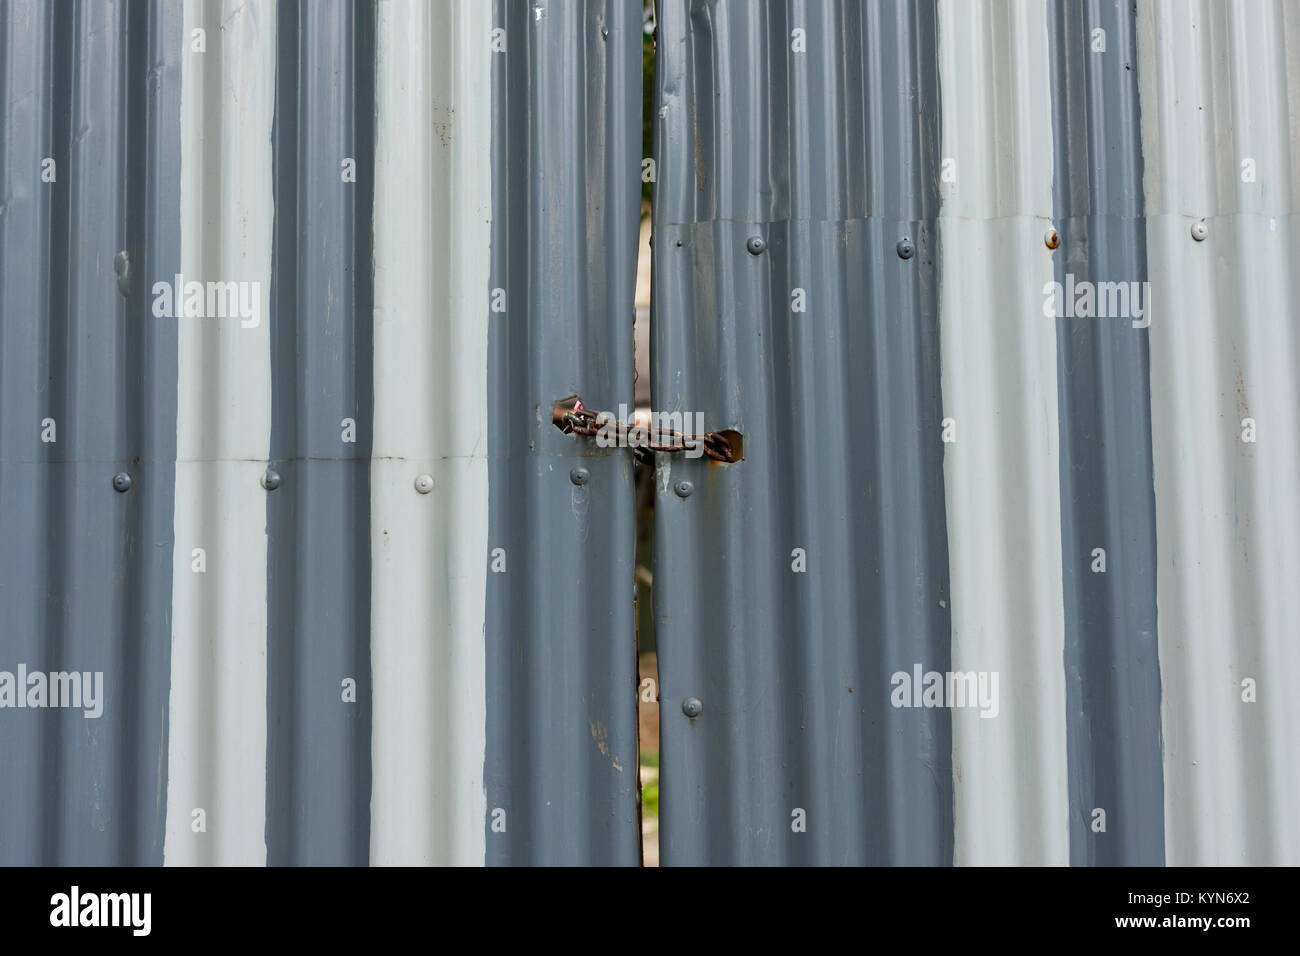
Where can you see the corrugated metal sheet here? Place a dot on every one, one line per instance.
(1221, 138)
(433, 210)
(1002, 474)
(830, 157)
(1112, 677)
(809, 125)
(217, 721)
(562, 749)
(220, 155)
(322, 366)
(87, 391)
(418, 645)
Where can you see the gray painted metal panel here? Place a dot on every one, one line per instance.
(85, 578)
(318, 520)
(561, 669)
(1107, 489)
(830, 156)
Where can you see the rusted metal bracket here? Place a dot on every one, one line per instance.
(570, 417)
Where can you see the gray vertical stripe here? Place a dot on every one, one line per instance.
(85, 583)
(561, 667)
(318, 587)
(1107, 490)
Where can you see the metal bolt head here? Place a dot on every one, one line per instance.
(683, 489)
(424, 484)
(1200, 230)
(755, 245)
(692, 707)
(122, 481)
(271, 480)
(580, 476)
(905, 248)
(1051, 239)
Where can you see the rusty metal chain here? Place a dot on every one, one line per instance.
(571, 417)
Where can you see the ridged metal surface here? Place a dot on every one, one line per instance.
(219, 157)
(1112, 675)
(218, 714)
(1221, 85)
(368, 579)
(85, 579)
(562, 748)
(433, 210)
(322, 363)
(831, 157)
(1002, 473)
(946, 456)
(1068, 434)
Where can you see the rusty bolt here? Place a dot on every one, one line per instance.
(1051, 239)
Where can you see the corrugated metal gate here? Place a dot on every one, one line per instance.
(355, 599)
(860, 212)
(762, 142)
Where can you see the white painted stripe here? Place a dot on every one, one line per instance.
(1220, 84)
(217, 731)
(1001, 475)
(432, 242)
